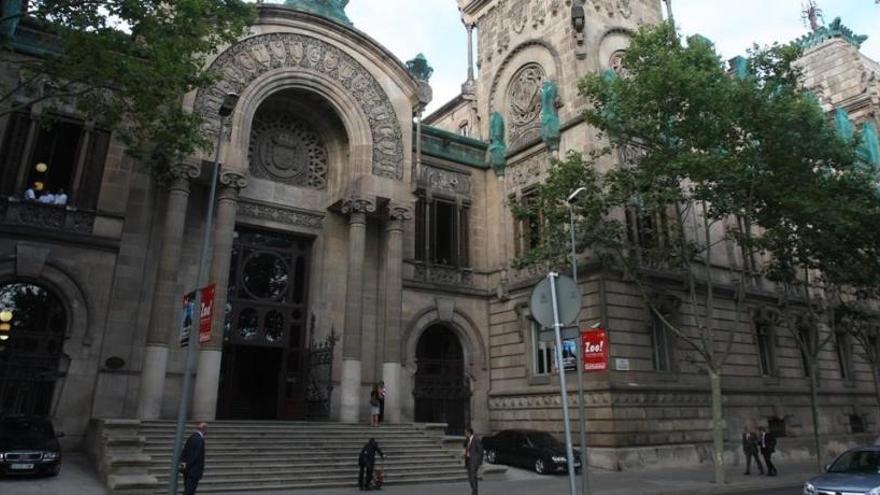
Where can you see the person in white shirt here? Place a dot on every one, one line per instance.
(30, 195)
(61, 198)
(47, 198)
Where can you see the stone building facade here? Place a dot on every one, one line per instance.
(353, 246)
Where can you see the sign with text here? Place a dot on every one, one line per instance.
(595, 346)
(206, 314)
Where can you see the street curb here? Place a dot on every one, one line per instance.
(731, 488)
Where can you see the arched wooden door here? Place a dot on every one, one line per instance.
(442, 393)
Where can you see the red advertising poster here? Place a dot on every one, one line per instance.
(206, 314)
(595, 345)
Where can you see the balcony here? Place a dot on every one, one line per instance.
(46, 217)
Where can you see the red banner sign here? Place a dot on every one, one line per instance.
(595, 346)
(206, 314)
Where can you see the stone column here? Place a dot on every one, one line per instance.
(166, 299)
(356, 209)
(208, 374)
(396, 215)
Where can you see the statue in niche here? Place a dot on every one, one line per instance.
(550, 127)
(496, 155)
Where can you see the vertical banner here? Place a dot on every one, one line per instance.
(206, 313)
(569, 355)
(186, 319)
(595, 346)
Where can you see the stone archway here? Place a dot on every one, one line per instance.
(441, 390)
(33, 323)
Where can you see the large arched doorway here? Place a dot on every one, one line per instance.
(441, 392)
(32, 327)
(264, 353)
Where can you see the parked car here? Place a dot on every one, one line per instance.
(29, 446)
(529, 449)
(856, 471)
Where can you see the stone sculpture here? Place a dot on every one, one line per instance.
(497, 152)
(550, 128)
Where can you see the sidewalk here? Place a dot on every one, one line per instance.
(683, 481)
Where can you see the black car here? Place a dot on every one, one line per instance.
(529, 449)
(29, 446)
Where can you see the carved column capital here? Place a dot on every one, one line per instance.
(233, 179)
(396, 214)
(361, 205)
(180, 175)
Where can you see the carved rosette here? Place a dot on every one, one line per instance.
(248, 60)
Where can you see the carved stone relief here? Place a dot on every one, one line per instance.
(524, 103)
(289, 216)
(244, 62)
(445, 181)
(527, 172)
(518, 15)
(612, 8)
(287, 150)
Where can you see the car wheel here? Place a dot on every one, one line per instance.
(490, 456)
(540, 468)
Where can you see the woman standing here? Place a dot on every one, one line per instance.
(374, 406)
(381, 402)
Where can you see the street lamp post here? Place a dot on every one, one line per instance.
(226, 109)
(582, 418)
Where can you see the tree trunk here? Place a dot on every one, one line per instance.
(717, 427)
(814, 408)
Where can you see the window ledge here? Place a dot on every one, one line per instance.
(539, 380)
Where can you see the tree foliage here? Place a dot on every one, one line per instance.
(124, 64)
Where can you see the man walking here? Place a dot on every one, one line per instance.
(473, 457)
(192, 459)
(767, 442)
(750, 449)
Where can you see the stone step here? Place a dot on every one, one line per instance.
(298, 458)
(316, 472)
(205, 486)
(341, 477)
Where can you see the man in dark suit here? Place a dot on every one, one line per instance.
(750, 449)
(767, 442)
(473, 457)
(366, 462)
(192, 459)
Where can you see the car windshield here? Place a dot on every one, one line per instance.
(857, 461)
(23, 429)
(543, 440)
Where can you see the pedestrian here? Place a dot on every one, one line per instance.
(767, 442)
(366, 461)
(381, 402)
(192, 459)
(473, 457)
(47, 198)
(374, 406)
(750, 449)
(30, 194)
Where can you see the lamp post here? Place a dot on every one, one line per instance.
(582, 417)
(226, 109)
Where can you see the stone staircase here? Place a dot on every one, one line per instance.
(249, 456)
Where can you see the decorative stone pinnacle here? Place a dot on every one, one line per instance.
(419, 68)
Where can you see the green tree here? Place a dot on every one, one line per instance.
(124, 64)
(706, 160)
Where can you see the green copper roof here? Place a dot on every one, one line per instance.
(331, 9)
(453, 147)
(834, 30)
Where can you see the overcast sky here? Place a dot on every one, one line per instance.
(433, 27)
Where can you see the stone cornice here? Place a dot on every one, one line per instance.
(290, 216)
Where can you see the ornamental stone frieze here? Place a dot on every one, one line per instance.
(445, 181)
(527, 172)
(513, 16)
(246, 61)
(288, 216)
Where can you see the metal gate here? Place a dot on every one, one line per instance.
(442, 391)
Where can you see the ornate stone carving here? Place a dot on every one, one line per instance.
(444, 275)
(527, 172)
(246, 61)
(615, 63)
(287, 150)
(518, 15)
(446, 181)
(398, 211)
(358, 205)
(539, 14)
(624, 7)
(496, 153)
(233, 179)
(524, 103)
(289, 216)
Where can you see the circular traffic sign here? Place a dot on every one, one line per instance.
(568, 298)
